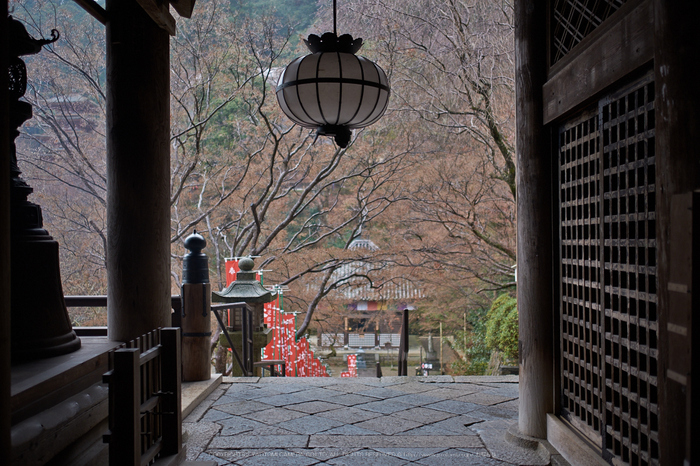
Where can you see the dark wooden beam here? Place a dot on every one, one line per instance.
(5, 409)
(677, 105)
(159, 12)
(184, 8)
(610, 53)
(93, 9)
(534, 200)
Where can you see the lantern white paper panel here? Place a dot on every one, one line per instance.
(333, 88)
(288, 98)
(375, 100)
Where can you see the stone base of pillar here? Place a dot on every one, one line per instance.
(542, 447)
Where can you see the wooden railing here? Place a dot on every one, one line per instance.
(101, 301)
(145, 420)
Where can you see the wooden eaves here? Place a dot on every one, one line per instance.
(157, 10)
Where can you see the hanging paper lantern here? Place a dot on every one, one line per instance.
(332, 89)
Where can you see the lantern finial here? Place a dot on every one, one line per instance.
(330, 42)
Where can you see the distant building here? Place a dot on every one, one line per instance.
(371, 311)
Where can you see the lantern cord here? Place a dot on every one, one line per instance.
(335, 20)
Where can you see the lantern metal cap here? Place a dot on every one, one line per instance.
(341, 133)
(244, 288)
(330, 42)
(21, 43)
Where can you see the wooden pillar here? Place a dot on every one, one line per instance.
(138, 172)
(677, 106)
(346, 334)
(534, 196)
(196, 332)
(5, 408)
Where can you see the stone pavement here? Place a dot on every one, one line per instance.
(434, 420)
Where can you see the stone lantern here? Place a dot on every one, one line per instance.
(246, 288)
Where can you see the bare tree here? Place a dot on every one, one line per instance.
(254, 183)
(62, 147)
(452, 68)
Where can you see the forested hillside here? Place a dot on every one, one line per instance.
(300, 14)
(432, 184)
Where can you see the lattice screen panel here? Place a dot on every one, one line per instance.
(572, 20)
(629, 226)
(579, 180)
(609, 325)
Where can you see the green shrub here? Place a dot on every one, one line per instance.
(476, 352)
(502, 326)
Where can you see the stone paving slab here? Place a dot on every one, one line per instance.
(423, 415)
(242, 407)
(392, 421)
(393, 441)
(315, 407)
(484, 398)
(411, 454)
(289, 399)
(388, 425)
(417, 399)
(327, 393)
(274, 416)
(458, 457)
(239, 425)
(485, 379)
(429, 430)
(454, 407)
(351, 399)
(254, 441)
(310, 424)
(384, 406)
(277, 457)
(214, 415)
(324, 454)
(414, 387)
(232, 456)
(349, 429)
(380, 392)
(349, 415)
(367, 457)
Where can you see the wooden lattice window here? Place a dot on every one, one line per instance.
(572, 20)
(580, 272)
(609, 325)
(629, 229)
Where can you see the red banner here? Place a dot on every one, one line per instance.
(297, 355)
(232, 270)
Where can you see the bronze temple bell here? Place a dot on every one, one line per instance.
(40, 324)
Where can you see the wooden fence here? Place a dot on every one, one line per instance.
(145, 420)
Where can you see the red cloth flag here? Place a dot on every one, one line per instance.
(289, 344)
(303, 364)
(268, 313)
